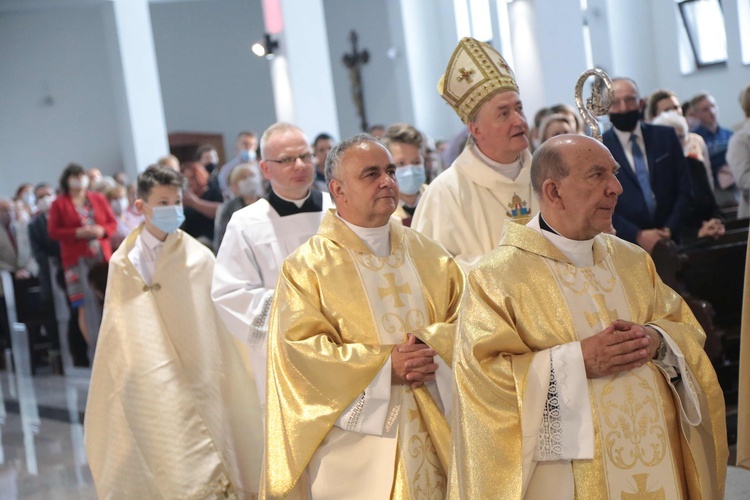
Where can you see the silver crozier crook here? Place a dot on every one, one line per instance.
(597, 104)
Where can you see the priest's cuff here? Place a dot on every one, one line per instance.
(259, 324)
(369, 410)
(567, 429)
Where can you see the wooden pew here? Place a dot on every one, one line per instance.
(716, 273)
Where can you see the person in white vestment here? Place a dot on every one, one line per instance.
(360, 347)
(171, 411)
(464, 207)
(260, 236)
(584, 374)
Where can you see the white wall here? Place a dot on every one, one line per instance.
(303, 51)
(383, 78)
(211, 81)
(430, 39)
(58, 54)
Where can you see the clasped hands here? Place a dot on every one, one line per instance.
(413, 363)
(90, 232)
(622, 346)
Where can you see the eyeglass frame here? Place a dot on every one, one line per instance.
(306, 157)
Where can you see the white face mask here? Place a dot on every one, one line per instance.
(28, 199)
(78, 182)
(410, 178)
(247, 155)
(119, 206)
(45, 202)
(250, 186)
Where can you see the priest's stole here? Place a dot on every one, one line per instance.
(637, 444)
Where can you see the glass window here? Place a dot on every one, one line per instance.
(743, 14)
(704, 23)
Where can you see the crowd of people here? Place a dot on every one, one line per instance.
(471, 317)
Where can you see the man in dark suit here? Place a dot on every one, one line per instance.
(653, 173)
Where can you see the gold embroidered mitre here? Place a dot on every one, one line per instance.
(475, 73)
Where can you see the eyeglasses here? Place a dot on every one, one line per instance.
(291, 160)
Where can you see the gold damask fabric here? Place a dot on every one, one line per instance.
(172, 409)
(743, 404)
(324, 349)
(514, 308)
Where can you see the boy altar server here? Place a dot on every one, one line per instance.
(172, 409)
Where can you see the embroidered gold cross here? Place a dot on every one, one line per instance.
(394, 290)
(643, 493)
(593, 317)
(463, 74)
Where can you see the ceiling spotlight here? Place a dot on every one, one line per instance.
(266, 47)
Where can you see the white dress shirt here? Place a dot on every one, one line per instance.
(144, 254)
(627, 146)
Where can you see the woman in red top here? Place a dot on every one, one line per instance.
(82, 221)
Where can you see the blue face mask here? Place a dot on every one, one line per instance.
(168, 219)
(410, 178)
(247, 155)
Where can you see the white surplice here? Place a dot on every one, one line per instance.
(256, 242)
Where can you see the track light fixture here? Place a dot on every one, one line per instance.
(266, 47)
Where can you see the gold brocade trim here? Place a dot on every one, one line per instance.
(367, 260)
(425, 476)
(494, 75)
(413, 320)
(634, 432)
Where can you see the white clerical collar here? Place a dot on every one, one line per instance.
(377, 239)
(509, 170)
(580, 252)
(299, 202)
(151, 241)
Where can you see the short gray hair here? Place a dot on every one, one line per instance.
(333, 161)
(276, 128)
(547, 163)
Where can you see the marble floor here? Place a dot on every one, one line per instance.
(41, 441)
(41, 438)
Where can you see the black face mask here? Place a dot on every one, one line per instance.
(210, 167)
(625, 122)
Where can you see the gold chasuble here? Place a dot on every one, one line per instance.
(172, 409)
(743, 405)
(527, 297)
(338, 310)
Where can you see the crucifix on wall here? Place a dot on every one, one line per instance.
(354, 62)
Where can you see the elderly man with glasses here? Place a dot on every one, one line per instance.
(260, 236)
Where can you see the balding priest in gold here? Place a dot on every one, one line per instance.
(579, 374)
(465, 206)
(360, 346)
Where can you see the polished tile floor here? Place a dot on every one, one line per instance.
(41, 441)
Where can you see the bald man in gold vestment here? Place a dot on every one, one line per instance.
(360, 347)
(578, 373)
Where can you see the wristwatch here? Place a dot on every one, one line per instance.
(661, 351)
